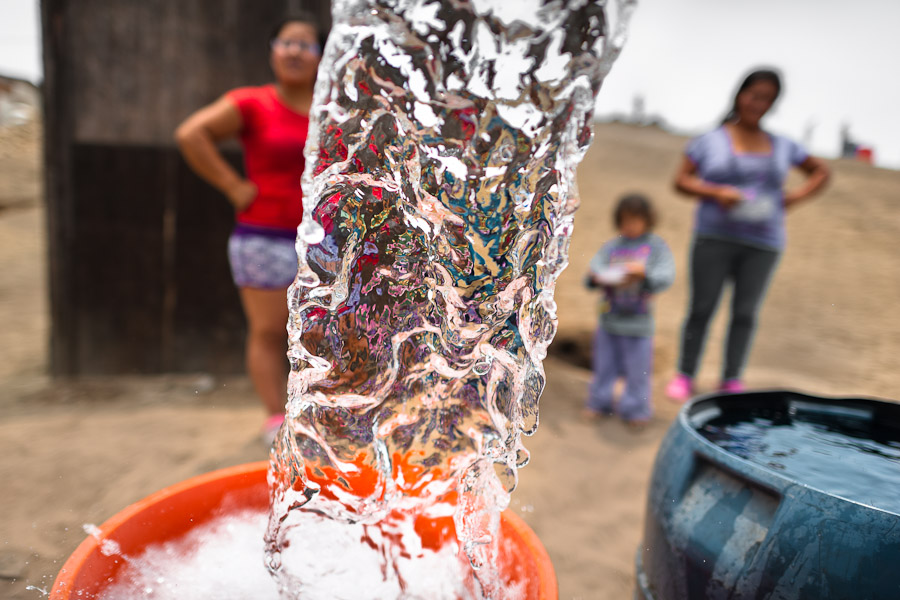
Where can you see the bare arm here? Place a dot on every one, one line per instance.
(689, 183)
(197, 137)
(817, 175)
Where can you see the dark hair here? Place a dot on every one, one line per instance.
(768, 75)
(637, 205)
(300, 16)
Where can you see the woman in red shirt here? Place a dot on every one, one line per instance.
(271, 122)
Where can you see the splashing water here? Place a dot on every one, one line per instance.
(438, 203)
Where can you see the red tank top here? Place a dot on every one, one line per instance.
(273, 137)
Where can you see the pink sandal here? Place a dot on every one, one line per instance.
(732, 386)
(680, 389)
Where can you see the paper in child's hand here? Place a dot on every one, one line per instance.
(612, 275)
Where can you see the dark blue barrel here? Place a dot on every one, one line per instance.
(775, 495)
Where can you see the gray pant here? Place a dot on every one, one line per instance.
(713, 262)
(625, 356)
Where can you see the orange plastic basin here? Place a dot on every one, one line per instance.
(171, 512)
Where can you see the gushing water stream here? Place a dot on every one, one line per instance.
(438, 203)
(439, 195)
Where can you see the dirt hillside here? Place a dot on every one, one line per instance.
(76, 452)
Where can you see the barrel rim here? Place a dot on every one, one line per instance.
(763, 476)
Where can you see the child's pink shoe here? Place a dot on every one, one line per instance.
(732, 386)
(680, 388)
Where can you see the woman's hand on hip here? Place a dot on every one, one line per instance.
(242, 194)
(791, 199)
(817, 175)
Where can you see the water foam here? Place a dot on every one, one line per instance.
(223, 559)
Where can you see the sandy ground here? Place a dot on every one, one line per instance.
(76, 452)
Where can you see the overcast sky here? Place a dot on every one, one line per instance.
(20, 52)
(685, 58)
(839, 60)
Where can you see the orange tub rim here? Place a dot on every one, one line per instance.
(175, 509)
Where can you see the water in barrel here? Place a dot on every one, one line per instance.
(844, 452)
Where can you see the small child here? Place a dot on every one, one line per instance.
(630, 269)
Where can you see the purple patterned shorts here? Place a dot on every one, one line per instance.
(262, 259)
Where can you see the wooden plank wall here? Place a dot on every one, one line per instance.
(139, 279)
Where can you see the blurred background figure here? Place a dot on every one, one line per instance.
(271, 122)
(737, 173)
(630, 269)
(850, 148)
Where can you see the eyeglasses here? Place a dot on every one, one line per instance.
(300, 45)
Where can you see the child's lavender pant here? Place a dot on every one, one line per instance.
(625, 356)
